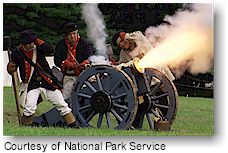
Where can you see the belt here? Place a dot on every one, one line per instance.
(70, 74)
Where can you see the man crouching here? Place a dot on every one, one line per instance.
(37, 77)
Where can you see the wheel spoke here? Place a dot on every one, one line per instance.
(155, 89)
(120, 106)
(100, 120)
(90, 116)
(90, 86)
(102, 96)
(118, 96)
(114, 87)
(149, 79)
(162, 106)
(99, 82)
(84, 95)
(160, 96)
(106, 82)
(82, 109)
(156, 114)
(116, 115)
(108, 119)
(151, 123)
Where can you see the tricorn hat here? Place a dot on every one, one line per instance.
(68, 27)
(27, 37)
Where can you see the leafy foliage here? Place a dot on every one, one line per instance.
(46, 18)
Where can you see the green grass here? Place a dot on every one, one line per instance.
(195, 117)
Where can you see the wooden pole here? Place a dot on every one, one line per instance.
(14, 78)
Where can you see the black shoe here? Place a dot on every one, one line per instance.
(74, 125)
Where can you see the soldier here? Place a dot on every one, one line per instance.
(136, 45)
(71, 54)
(125, 45)
(37, 77)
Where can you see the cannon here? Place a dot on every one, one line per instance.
(120, 97)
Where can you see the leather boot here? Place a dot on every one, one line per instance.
(26, 120)
(71, 121)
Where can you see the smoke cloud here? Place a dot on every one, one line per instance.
(185, 44)
(98, 60)
(95, 27)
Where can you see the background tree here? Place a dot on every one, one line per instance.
(131, 17)
(45, 19)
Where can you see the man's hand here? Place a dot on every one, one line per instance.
(68, 65)
(83, 65)
(77, 70)
(112, 61)
(11, 68)
(85, 62)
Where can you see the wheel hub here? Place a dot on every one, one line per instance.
(101, 102)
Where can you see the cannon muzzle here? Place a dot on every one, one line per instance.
(133, 64)
(136, 65)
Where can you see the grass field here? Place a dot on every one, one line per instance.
(195, 117)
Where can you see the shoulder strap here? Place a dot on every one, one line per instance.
(73, 57)
(40, 70)
(34, 61)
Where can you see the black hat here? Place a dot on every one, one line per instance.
(27, 37)
(68, 27)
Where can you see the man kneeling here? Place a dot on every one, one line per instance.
(37, 77)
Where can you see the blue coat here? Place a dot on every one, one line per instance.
(42, 51)
(83, 50)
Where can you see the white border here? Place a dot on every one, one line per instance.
(216, 143)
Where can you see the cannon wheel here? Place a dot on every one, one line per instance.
(104, 92)
(162, 99)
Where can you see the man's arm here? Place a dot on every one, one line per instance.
(58, 56)
(46, 49)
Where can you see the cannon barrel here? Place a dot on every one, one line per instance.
(137, 74)
(133, 64)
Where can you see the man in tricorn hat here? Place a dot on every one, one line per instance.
(37, 77)
(71, 54)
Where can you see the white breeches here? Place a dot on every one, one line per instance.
(68, 86)
(55, 97)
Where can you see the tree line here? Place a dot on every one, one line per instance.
(45, 18)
